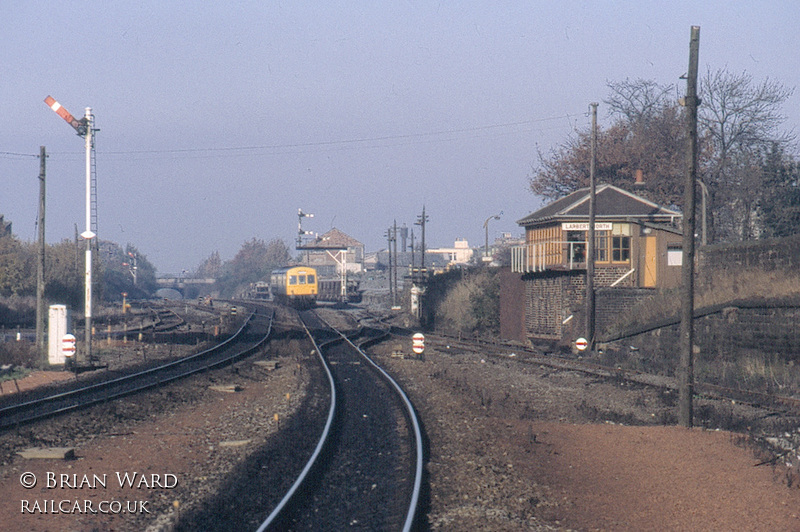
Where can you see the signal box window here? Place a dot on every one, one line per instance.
(620, 248)
(601, 246)
(675, 255)
(577, 247)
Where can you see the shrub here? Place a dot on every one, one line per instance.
(21, 353)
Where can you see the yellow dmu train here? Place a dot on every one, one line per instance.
(295, 286)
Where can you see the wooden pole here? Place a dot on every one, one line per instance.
(590, 252)
(686, 373)
(394, 244)
(40, 302)
(390, 269)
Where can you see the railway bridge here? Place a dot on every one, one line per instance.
(181, 283)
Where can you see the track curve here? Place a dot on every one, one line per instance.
(359, 475)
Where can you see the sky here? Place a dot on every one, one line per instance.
(218, 122)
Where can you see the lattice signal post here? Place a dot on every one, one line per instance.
(337, 252)
(85, 128)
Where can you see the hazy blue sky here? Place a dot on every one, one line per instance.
(219, 121)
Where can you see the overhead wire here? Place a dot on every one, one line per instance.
(381, 141)
(10, 155)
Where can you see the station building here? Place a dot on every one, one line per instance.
(638, 250)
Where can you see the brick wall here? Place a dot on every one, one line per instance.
(608, 276)
(550, 298)
(512, 306)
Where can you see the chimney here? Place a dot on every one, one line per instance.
(639, 179)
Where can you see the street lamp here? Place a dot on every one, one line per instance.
(486, 229)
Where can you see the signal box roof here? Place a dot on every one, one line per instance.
(333, 239)
(611, 203)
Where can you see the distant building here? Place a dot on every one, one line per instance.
(459, 254)
(332, 251)
(500, 250)
(435, 258)
(637, 248)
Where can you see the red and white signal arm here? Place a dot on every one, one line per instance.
(418, 343)
(68, 345)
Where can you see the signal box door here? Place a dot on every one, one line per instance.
(650, 262)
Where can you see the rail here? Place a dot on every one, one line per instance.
(412, 418)
(312, 462)
(411, 513)
(95, 393)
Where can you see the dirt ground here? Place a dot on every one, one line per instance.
(511, 448)
(173, 459)
(33, 380)
(612, 477)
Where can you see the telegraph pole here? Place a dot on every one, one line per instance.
(394, 239)
(40, 303)
(389, 249)
(421, 221)
(686, 372)
(590, 298)
(412, 253)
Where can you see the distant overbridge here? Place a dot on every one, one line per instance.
(182, 282)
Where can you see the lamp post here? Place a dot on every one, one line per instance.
(486, 230)
(422, 219)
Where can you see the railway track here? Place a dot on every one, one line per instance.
(366, 469)
(249, 337)
(531, 356)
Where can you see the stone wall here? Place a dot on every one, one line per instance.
(727, 333)
(610, 303)
(765, 255)
(738, 327)
(551, 297)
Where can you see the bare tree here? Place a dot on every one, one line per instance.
(740, 122)
(640, 100)
(647, 134)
